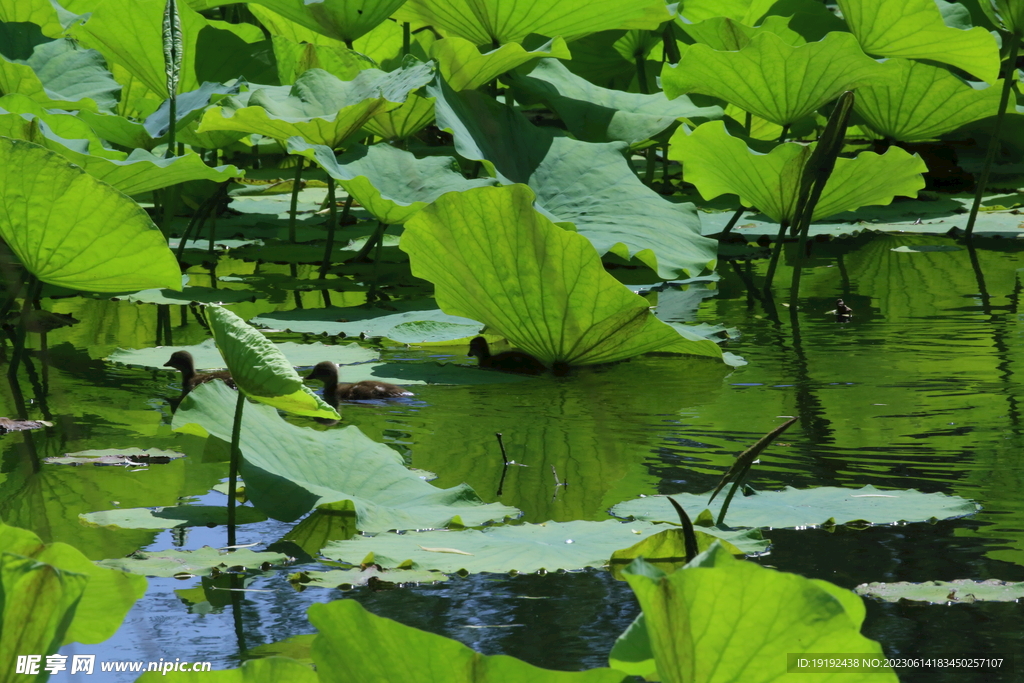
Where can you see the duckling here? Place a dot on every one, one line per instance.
(507, 361)
(334, 391)
(183, 362)
(843, 312)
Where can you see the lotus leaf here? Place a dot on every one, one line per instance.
(37, 603)
(319, 107)
(914, 29)
(72, 230)
(168, 563)
(541, 287)
(351, 639)
(928, 102)
(412, 324)
(294, 59)
(742, 11)
(60, 74)
(724, 34)
(343, 20)
(1008, 14)
(259, 369)
(266, 670)
(718, 163)
(398, 124)
(289, 470)
(590, 185)
(106, 599)
(175, 517)
(390, 183)
(495, 22)
(771, 614)
(944, 592)
(463, 67)
(523, 548)
(596, 114)
(801, 508)
(130, 33)
(206, 356)
(816, 73)
(37, 12)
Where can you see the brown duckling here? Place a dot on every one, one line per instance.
(182, 361)
(506, 361)
(335, 391)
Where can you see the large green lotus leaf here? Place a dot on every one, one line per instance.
(495, 22)
(293, 59)
(1009, 14)
(119, 130)
(723, 619)
(61, 75)
(382, 44)
(72, 230)
(596, 114)
(415, 322)
(351, 639)
(37, 602)
(800, 508)
(928, 101)
(464, 67)
(415, 114)
(742, 11)
(206, 356)
(523, 548)
(493, 258)
(390, 183)
(174, 517)
(944, 592)
(259, 369)
(590, 185)
(139, 172)
(724, 34)
(167, 563)
(718, 163)
(343, 20)
(914, 29)
(320, 108)
(71, 128)
(264, 670)
(289, 470)
(130, 33)
(38, 12)
(815, 74)
(108, 594)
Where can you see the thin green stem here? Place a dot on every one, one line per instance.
(406, 38)
(733, 221)
(993, 145)
(236, 457)
(776, 253)
(293, 210)
(641, 74)
(332, 222)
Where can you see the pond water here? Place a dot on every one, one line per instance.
(920, 389)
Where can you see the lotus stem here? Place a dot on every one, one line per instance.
(784, 133)
(293, 210)
(668, 37)
(776, 252)
(993, 145)
(652, 159)
(332, 221)
(406, 38)
(236, 457)
(641, 74)
(733, 221)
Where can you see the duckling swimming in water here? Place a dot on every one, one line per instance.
(843, 312)
(507, 361)
(182, 361)
(334, 391)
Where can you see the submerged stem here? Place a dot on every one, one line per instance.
(236, 457)
(296, 183)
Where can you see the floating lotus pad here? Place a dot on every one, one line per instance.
(360, 577)
(944, 592)
(799, 508)
(169, 563)
(117, 456)
(522, 548)
(174, 517)
(207, 357)
(415, 326)
(289, 470)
